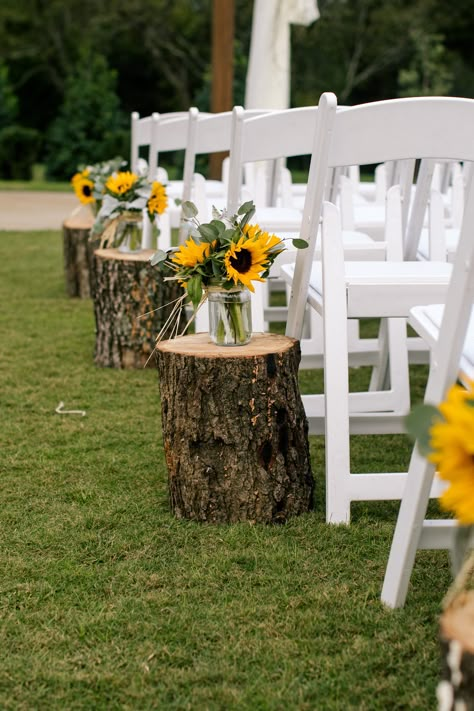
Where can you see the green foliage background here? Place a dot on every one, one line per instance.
(156, 56)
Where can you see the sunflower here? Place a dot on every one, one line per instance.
(83, 187)
(452, 445)
(269, 241)
(158, 200)
(120, 183)
(190, 254)
(248, 257)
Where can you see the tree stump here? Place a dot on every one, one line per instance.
(234, 429)
(457, 646)
(78, 254)
(131, 304)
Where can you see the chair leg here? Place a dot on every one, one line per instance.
(336, 388)
(408, 530)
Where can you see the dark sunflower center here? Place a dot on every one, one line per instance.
(86, 190)
(242, 261)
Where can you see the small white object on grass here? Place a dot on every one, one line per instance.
(60, 411)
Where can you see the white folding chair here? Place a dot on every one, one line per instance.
(401, 129)
(449, 332)
(148, 133)
(264, 139)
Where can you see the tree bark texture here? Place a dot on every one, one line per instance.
(78, 254)
(457, 650)
(234, 429)
(131, 304)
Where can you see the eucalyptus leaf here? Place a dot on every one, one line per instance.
(219, 225)
(418, 424)
(299, 243)
(246, 207)
(137, 204)
(189, 209)
(208, 232)
(158, 257)
(144, 192)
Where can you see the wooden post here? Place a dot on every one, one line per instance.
(223, 12)
(234, 429)
(456, 689)
(131, 304)
(78, 252)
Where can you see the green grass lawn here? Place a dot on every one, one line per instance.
(108, 602)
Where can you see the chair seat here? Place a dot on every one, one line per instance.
(452, 239)
(426, 320)
(214, 188)
(276, 219)
(357, 245)
(382, 288)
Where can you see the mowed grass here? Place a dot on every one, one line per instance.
(108, 602)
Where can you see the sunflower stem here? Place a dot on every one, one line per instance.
(235, 312)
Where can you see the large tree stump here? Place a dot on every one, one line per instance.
(234, 429)
(457, 646)
(78, 254)
(131, 304)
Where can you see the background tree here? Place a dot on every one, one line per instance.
(363, 50)
(90, 126)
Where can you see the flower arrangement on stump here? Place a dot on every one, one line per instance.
(126, 196)
(218, 263)
(445, 435)
(89, 181)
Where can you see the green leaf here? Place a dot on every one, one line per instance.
(247, 217)
(216, 268)
(299, 243)
(208, 232)
(219, 225)
(418, 424)
(246, 207)
(158, 257)
(228, 235)
(194, 289)
(189, 209)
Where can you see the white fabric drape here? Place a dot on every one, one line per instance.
(268, 74)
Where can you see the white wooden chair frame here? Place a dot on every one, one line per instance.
(414, 127)
(447, 341)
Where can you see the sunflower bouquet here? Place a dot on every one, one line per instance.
(445, 435)
(126, 195)
(218, 262)
(89, 181)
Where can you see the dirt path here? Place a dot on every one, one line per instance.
(36, 210)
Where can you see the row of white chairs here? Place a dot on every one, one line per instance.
(346, 275)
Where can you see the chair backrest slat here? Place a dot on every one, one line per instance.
(400, 129)
(426, 127)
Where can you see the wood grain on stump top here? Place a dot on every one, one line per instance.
(113, 253)
(78, 222)
(201, 346)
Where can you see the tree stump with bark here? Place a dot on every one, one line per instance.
(131, 304)
(457, 647)
(234, 429)
(78, 254)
